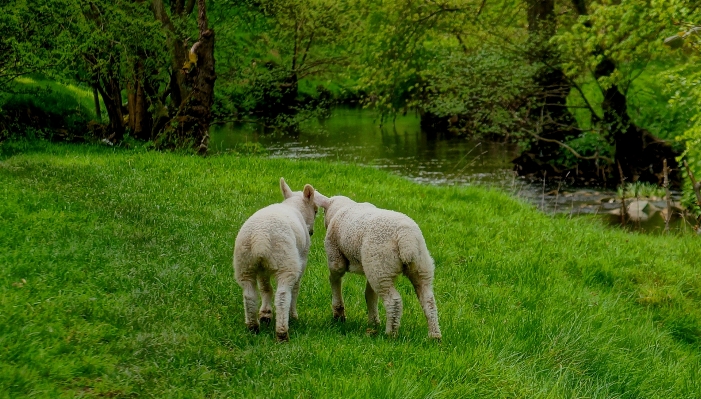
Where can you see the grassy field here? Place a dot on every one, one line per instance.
(116, 281)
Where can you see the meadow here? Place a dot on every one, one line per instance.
(116, 280)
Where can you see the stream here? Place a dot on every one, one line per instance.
(353, 135)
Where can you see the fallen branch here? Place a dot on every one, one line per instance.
(572, 150)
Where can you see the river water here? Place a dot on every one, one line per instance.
(354, 136)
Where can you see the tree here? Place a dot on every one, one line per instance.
(33, 39)
(195, 90)
(273, 45)
(117, 47)
(611, 44)
(137, 48)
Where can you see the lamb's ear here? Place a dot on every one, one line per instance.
(321, 200)
(286, 192)
(308, 192)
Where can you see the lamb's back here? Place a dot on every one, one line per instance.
(364, 224)
(272, 227)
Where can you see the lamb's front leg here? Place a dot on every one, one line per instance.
(338, 265)
(266, 292)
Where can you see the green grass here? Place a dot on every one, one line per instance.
(69, 100)
(116, 281)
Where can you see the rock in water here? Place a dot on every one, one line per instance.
(636, 211)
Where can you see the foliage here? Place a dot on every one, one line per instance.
(112, 35)
(627, 32)
(271, 46)
(624, 37)
(684, 84)
(455, 83)
(33, 38)
(130, 292)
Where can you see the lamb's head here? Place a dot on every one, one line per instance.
(303, 201)
(331, 205)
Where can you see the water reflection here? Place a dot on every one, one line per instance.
(353, 135)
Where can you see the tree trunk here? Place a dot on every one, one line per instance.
(140, 120)
(554, 86)
(191, 124)
(202, 79)
(96, 97)
(112, 98)
(178, 86)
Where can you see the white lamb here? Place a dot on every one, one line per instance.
(275, 242)
(381, 244)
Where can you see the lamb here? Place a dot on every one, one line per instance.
(275, 241)
(381, 244)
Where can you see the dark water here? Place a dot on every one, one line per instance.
(354, 136)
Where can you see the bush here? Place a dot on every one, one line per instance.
(40, 109)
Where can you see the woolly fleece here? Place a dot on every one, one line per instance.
(275, 242)
(380, 244)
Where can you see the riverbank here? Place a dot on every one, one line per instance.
(117, 281)
(353, 136)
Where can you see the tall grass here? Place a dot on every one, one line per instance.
(53, 97)
(116, 280)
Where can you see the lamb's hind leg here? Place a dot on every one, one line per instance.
(250, 304)
(392, 301)
(339, 309)
(424, 291)
(293, 304)
(283, 300)
(371, 301)
(266, 292)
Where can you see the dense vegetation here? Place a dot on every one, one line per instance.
(116, 281)
(588, 88)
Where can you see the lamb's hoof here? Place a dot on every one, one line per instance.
(266, 320)
(339, 317)
(283, 337)
(339, 313)
(254, 328)
(371, 332)
(435, 337)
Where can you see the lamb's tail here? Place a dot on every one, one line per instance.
(250, 254)
(413, 252)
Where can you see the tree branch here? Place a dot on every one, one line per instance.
(572, 150)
